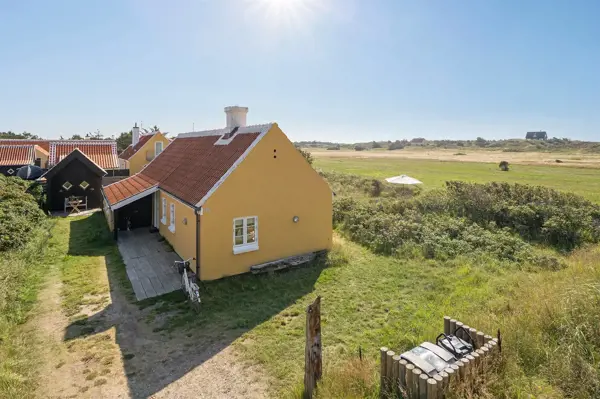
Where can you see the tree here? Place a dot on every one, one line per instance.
(375, 144)
(23, 136)
(359, 148)
(76, 137)
(503, 166)
(123, 141)
(480, 141)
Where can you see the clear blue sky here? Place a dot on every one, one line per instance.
(339, 70)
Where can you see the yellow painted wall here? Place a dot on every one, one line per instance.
(275, 190)
(43, 157)
(183, 239)
(138, 160)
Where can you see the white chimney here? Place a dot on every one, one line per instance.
(135, 135)
(236, 116)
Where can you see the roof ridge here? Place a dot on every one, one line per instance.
(259, 128)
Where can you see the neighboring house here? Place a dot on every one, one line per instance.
(101, 152)
(228, 199)
(418, 141)
(15, 156)
(74, 175)
(536, 135)
(143, 149)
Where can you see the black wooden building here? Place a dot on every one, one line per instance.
(74, 175)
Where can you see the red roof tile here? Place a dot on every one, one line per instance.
(191, 165)
(127, 188)
(15, 155)
(101, 152)
(132, 149)
(45, 144)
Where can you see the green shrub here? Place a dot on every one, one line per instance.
(19, 212)
(504, 221)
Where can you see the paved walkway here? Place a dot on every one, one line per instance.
(149, 265)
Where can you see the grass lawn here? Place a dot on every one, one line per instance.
(582, 181)
(21, 274)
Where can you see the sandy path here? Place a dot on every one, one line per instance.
(124, 357)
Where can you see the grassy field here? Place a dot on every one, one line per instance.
(433, 173)
(21, 273)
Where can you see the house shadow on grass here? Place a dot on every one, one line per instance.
(162, 339)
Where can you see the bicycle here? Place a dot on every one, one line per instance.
(188, 283)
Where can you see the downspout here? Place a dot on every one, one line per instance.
(198, 213)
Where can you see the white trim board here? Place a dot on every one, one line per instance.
(133, 198)
(235, 165)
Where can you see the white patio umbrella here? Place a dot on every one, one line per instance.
(403, 179)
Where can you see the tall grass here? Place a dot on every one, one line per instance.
(20, 276)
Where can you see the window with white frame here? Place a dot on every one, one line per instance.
(158, 148)
(245, 234)
(163, 220)
(172, 218)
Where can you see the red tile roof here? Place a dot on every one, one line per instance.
(42, 150)
(132, 149)
(45, 144)
(15, 155)
(192, 164)
(101, 152)
(127, 188)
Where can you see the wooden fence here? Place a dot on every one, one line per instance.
(402, 379)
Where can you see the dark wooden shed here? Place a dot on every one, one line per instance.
(75, 175)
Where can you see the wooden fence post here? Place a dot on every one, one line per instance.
(313, 361)
(383, 371)
(447, 325)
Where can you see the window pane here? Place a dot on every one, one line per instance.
(239, 240)
(251, 234)
(250, 222)
(239, 223)
(239, 232)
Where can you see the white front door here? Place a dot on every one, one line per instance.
(156, 201)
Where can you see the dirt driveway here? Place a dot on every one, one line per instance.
(107, 346)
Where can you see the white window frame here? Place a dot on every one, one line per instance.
(163, 220)
(245, 246)
(172, 217)
(156, 152)
(70, 186)
(86, 187)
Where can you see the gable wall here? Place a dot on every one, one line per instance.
(138, 160)
(275, 190)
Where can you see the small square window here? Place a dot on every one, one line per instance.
(84, 184)
(10, 171)
(67, 186)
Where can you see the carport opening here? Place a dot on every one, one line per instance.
(135, 215)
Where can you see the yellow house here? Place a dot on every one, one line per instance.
(229, 199)
(143, 149)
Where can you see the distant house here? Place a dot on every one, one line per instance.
(536, 135)
(143, 149)
(15, 156)
(419, 141)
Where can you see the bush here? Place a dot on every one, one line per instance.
(504, 221)
(307, 155)
(19, 212)
(396, 145)
(359, 148)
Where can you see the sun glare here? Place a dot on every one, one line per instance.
(287, 13)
